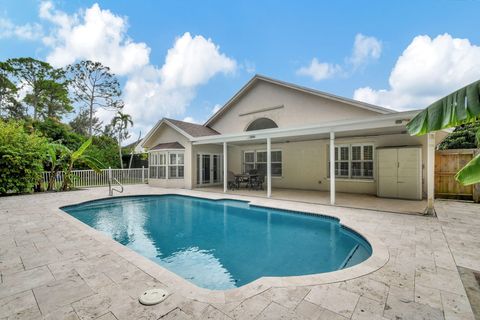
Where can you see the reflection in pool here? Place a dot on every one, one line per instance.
(224, 244)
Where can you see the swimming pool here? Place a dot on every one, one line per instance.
(223, 244)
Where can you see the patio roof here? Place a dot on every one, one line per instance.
(389, 123)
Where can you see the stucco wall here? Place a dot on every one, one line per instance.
(166, 134)
(305, 164)
(298, 109)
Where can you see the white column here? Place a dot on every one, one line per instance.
(269, 167)
(332, 168)
(167, 162)
(430, 172)
(225, 169)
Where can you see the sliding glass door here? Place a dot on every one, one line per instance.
(209, 169)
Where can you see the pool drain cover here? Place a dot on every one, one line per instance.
(153, 296)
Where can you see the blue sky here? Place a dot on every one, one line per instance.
(273, 38)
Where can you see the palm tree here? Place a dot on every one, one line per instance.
(120, 123)
(457, 108)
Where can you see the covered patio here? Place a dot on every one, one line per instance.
(343, 199)
(305, 173)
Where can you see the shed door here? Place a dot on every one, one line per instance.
(409, 173)
(387, 173)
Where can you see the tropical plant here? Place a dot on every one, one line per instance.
(78, 156)
(457, 108)
(56, 131)
(94, 86)
(21, 158)
(120, 123)
(105, 150)
(56, 156)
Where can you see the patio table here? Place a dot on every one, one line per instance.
(244, 178)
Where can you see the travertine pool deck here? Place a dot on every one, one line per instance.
(54, 267)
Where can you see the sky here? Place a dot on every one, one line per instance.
(185, 59)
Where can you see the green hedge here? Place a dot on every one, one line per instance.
(21, 158)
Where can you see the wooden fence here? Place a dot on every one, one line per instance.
(89, 178)
(447, 164)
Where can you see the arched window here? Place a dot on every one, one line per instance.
(261, 123)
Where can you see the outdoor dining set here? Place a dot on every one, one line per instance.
(252, 180)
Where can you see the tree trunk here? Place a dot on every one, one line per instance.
(120, 150)
(90, 127)
(133, 150)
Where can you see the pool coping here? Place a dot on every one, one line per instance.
(177, 284)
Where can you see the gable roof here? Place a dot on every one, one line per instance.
(187, 129)
(257, 78)
(168, 145)
(193, 129)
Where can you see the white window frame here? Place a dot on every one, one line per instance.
(176, 166)
(362, 160)
(155, 163)
(256, 162)
(244, 162)
(351, 161)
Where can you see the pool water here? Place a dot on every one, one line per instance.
(224, 244)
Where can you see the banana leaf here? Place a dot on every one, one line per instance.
(459, 107)
(78, 153)
(470, 174)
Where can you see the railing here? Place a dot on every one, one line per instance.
(89, 178)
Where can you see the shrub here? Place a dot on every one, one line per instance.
(21, 158)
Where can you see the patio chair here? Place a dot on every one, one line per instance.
(257, 182)
(232, 182)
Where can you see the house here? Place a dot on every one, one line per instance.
(291, 134)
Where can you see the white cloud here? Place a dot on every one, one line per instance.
(365, 48)
(150, 92)
(427, 70)
(193, 61)
(93, 34)
(26, 32)
(216, 108)
(154, 92)
(319, 70)
(191, 120)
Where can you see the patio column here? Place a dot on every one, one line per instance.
(332, 168)
(430, 172)
(225, 169)
(269, 167)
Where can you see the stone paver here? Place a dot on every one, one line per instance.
(54, 268)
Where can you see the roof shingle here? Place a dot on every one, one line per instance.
(193, 129)
(168, 145)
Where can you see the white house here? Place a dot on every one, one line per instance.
(291, 134)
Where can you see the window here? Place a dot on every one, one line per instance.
(258, 160)
(175, 165)
(353, 161)
(161, 161)
(248, 161)
(261, 123)
(157, 165)
(362, 161)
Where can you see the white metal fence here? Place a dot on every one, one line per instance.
(89, 178)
